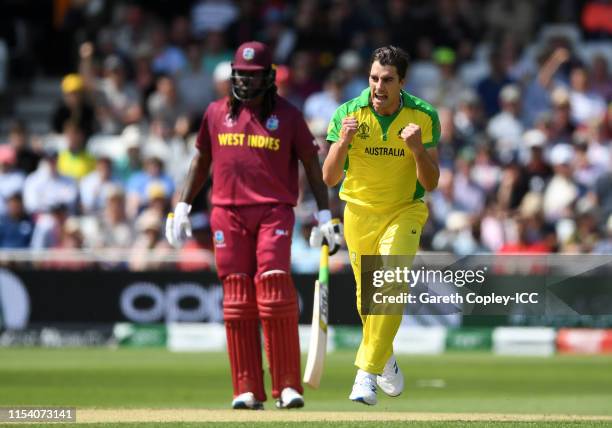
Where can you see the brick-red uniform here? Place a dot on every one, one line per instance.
(255, 186)
(255, 169)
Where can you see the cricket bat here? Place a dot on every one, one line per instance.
(318, 330)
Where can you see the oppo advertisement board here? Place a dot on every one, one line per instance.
(40, 297)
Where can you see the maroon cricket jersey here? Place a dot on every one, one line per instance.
(254, 161)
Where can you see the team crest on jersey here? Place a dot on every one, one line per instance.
(248, 54)
(272, 123)
(228, 121)
(363, 131)
(219, 239)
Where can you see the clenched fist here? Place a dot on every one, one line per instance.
(411, 134)
(349, 128)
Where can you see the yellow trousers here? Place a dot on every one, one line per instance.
(374, 232)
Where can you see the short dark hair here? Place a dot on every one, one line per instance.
(392, 55)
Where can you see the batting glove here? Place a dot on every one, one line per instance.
(178, 227)
(328, 231)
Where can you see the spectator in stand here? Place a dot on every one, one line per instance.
(449, 89)
(114, 95)
(586, 104)
(120, 96)
(26, 158)
(352, 65)
(165, 103)
(11, 179)
(302, 81)
(92, 187)
(525, 237)
(490, 87)
(215, 51)
(442, 200)
(16, 226)
(131, 162)
(562, 126)
(194, 84)
(139, 183)
(46, 188)
(75, 105)
(602, 195)
(485, 173)
(48, 228)
(538, 171)
(320, 106)
(158, 201)
(167, 58)
(561, 191)
(469, 121)
(212, 15)
(111, 228)
(585, 172)
(149, 251)
(601, 79)
(604, 245)
(222, 79)
(505, 128)
(71, 239)
(75, 161)
(512, 187)
(537, 97)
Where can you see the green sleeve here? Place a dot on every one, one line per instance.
(335, 124)
(435, 129)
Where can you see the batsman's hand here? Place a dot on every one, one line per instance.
(330, 231)
(178, 226)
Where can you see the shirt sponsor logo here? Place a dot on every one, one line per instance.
(272, 123)
(384, 151)
(248, 54)
(363, 131)
(219, 239)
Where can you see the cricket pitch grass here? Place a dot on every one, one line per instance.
(154, 387)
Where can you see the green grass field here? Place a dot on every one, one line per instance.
(452, 383)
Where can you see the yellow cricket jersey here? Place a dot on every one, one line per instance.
(380, 169)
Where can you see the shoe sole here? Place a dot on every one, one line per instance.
(362, 401)
(296, 403)
(243, 406)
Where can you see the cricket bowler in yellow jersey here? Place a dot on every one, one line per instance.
(384, 145)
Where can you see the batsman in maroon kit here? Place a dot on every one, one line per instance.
(254, 139)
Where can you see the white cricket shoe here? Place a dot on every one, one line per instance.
(392, 380)
(247, 400)
(364, 388)
(290, 399)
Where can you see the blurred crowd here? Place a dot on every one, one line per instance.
(523, 90)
